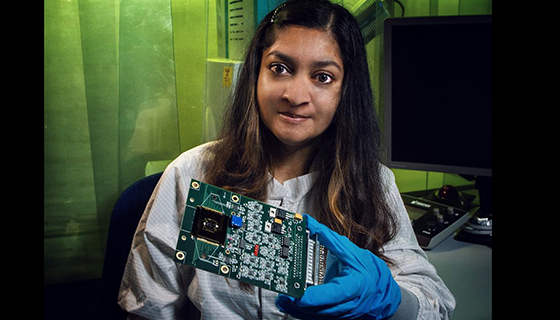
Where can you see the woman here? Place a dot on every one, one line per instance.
(301, 133)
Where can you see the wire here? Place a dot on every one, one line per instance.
(402, 7)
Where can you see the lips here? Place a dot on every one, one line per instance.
(292, 115)
(293, 118)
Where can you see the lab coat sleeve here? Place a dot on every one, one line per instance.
(153, 285)
(416, 276)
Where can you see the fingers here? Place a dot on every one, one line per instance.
(347, 286)
(328, 301)
(338, 297)
(339, 245)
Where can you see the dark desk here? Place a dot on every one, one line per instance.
(466, 269)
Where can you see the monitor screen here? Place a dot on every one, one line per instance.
(438, 94)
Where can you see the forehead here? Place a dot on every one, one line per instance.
(305, 44)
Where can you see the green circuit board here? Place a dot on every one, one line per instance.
(248, 240)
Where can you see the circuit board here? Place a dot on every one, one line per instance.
(248, 240)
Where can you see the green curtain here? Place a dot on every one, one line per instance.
(110, 107)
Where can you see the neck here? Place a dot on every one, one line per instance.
(291, 162)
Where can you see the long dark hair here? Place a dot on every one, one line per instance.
(350, 195)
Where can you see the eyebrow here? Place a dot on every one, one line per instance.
(315, 64)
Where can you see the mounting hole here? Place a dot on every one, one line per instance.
(195, 185)
(234, 198)
(296, 285)
(224, 269)
(183, 237)
(180, 255)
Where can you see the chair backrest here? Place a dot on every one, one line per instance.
(124, 219)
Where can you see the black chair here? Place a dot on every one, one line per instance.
(124, 219)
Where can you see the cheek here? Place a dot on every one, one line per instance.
(330, 105)
(265, 101)
(261, 96)
(260, 88)
(264, 92)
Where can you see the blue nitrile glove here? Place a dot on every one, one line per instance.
(359, 285)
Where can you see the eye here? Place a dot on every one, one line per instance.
(324, 78)
(278, 68)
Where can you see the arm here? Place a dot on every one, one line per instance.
(153, 286)
(360, 285)
(420, 285)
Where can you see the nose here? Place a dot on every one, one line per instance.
(297, 91)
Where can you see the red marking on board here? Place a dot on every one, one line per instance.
(256, 249)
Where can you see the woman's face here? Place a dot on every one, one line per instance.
(299, 84)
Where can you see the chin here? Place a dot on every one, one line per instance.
(295, 142)
(293, 136)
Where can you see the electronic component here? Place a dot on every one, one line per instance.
(276, 228)
(432, 222)
(236, 222)
(315, 261)
(284, 252)
(210, 225)
(247, 240)
(280, 214)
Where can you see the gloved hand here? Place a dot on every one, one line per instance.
(357, 284)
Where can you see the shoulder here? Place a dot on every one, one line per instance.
(387, 176)
(174, 182)
(164, 212)
(195, 154)
(191, 162)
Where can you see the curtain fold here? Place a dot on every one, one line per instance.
(110, 108)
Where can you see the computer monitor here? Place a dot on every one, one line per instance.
(438, 105)
(438, 94)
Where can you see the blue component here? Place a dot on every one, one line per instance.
(236, 222)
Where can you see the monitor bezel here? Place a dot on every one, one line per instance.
(387, 109)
